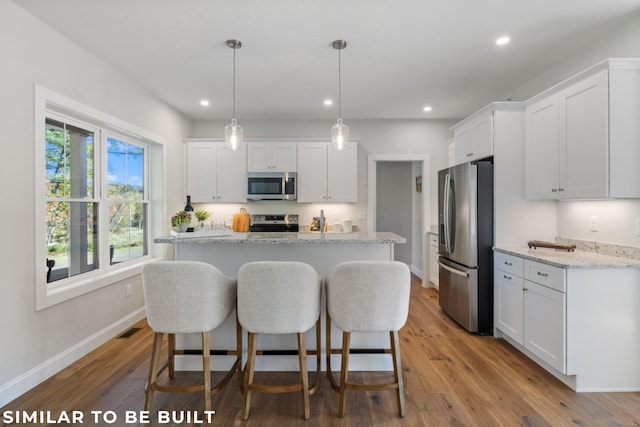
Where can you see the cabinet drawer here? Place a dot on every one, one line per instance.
(546, 275)
(508, 263)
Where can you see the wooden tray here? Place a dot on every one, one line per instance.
(558, 246)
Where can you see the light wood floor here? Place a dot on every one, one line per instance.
(452, 378)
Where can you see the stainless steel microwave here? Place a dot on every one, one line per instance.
(271, 186)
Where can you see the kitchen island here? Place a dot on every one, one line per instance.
(323, 252)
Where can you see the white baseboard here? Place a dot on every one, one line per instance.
(25, 382)
(416, 271)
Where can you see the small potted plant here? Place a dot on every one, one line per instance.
(201, 216)
(181, 220)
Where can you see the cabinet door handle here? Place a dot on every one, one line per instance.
(554, 190)
(508, 263)
(543, 274)
(525, 289)
(560, 189)
(507, 277)
(469, 154)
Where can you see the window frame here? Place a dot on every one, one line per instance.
(53, 105)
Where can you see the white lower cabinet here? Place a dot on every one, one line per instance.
(530, 307)
(578, 322)
(433, 259)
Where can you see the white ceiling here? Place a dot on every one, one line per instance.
(401, 54)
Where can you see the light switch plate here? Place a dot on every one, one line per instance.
(594, 223)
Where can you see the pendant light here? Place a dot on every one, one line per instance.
(339, 131)
(233, 132)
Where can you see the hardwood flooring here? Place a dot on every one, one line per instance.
(452, 378)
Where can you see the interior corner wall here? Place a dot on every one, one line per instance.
(32, 54)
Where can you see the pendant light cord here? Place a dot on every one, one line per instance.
(339, 86)
(234, 83)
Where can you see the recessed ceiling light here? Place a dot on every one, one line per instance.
(204, 102)
(427, 109)
(328, 102)
(501, 41)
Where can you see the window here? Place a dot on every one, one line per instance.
(71, 206)
(126, 200)
(94, 212)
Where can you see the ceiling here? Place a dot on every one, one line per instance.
(401, 56)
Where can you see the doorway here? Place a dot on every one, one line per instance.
(397, 205)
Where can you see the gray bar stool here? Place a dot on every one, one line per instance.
(184, 297)
(279, 298)
(367, 296)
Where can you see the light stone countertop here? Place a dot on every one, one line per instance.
(575, 259)
(288, 238)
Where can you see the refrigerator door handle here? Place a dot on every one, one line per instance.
(445, 206)
(453, 270)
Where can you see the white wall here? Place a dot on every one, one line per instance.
(36, 344)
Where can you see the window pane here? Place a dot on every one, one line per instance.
(57, 165)
(69, 161)
(125, 166)
(72, 239)
(127, 231)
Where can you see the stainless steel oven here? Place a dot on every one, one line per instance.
(271, 186)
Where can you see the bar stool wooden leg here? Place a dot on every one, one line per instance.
(397, 371)
(344, 368)
(248, 374)
(304, 378)
(206, 371)
(153, 369)
(171, 338)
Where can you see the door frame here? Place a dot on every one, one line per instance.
(372, 160)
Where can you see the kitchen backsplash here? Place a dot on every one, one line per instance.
(602, 248)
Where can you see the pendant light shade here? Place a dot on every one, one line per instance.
(339, 131)
(233, 133)
(339, 135)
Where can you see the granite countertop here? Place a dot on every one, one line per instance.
(575, 259)
(287, 238)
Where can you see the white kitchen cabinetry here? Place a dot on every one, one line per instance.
(530, 307)
(327, 175)
(580, 139)
(433, 259)
(509, 296)
(215, 173)
(271, 156)
(576, 321)
(474, 136)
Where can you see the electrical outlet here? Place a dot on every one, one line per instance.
(128, 289)
(362, 216)
(594, 223)
(637, 226)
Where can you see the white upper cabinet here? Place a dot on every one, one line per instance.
(327, 175)
(474, 137)
(215, 173)
(271, 156)
(542, 136)
(582, 136)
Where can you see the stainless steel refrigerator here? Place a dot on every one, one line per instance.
(465, 234)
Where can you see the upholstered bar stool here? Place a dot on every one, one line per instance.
(185, 297)
(367, 296)
(279, 298)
